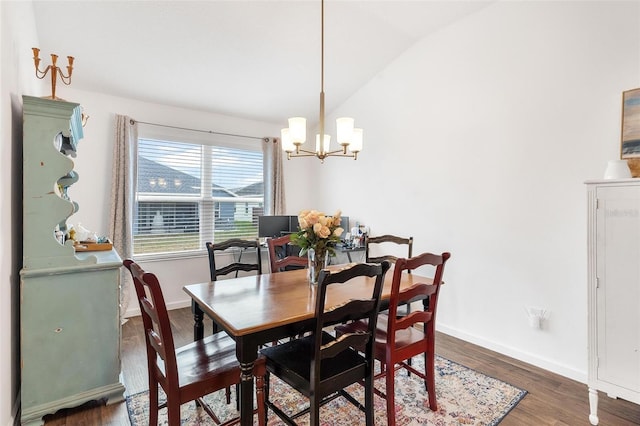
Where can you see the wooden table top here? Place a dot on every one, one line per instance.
(256, 303)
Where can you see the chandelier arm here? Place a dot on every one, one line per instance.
(304, 154)
(338, 154)
(306, 151)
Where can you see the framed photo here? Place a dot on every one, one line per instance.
(630, 140)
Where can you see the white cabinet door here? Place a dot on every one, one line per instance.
(618, 286)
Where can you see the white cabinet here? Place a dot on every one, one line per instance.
(614, 290)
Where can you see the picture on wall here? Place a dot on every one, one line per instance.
(630, 140)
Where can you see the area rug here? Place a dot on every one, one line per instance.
(465, 397)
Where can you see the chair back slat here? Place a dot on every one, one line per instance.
(150, 310)
(156, 343)
(352, 310)
(412, 319)
(416, 292)
(343, 343)
(233, 267)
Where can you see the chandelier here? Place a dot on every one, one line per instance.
(348, 137)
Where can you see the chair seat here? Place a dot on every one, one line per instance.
(290, 361)
(220, 352)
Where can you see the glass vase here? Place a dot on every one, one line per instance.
(318, 260)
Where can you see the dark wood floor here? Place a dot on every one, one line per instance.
(552, 399)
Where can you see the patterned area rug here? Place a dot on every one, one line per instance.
(465, 397)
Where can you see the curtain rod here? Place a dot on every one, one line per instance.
(263, 139)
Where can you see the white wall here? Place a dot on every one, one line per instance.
(17, 36)
(477, 141)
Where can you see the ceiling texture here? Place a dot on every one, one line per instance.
(251, 59)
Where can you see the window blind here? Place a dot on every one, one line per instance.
(189, 193)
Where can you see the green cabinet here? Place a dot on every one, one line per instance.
(69, 311)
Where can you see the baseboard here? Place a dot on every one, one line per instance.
(135, 311)
(544, 363)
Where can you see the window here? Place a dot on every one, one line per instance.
(191, 192)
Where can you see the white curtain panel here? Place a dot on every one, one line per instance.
(274, 200)
(122, 199)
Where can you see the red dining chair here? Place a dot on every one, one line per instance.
(280, 256)
(189, 372)
(398, 339)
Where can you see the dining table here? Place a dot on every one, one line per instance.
(259, 309)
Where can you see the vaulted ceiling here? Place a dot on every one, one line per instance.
(252, 59)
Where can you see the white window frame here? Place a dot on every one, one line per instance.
(205, 200)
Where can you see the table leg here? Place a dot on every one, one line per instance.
(246, 394)
(246, 353)
(198, 317)
(349, 256)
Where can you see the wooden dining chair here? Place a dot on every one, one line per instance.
(190, 372)
(281, 257)
(234, 247)
(320, 366)
(398, 339)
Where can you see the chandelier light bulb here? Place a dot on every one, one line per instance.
(287, 143)
(325, 145)
(298, 130)
(344, 127)
(356, 141)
